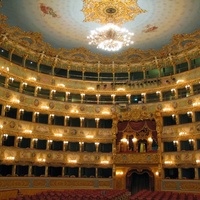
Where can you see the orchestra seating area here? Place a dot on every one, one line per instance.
(164, 195)
(77, 195)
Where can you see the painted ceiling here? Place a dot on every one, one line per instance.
(61, 22)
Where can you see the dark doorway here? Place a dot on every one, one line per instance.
(139, 180)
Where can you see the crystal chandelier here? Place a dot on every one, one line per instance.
(110, 37)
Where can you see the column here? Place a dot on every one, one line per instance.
(52, 94)
(30, 170)
(96, 172)
(49, 143)
(6, 82)
(189, 63)
(37, 89)
(68, 76)
(81, 121)
(113, 98)
(63, 171)
(24, 60)
(129, 98)
(46, 171)
(98, 97)
(67, 95)
(66, 122)
(144, 99)
(179, 173)
(174, 93)
(13, 170)
(159, 94)
(83, 74)
(191, 90)
(36, 117)
(97, 146)
(20, 114)
(51, 119)
(79, 172)
(196, 172)
(81, 146)
(65, 145)
(82, 97)
(97, 122)
(144, 72)
(10, 54)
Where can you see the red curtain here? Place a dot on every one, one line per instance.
(137, 126)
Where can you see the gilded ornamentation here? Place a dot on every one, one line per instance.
(36, 102)
(138, 158)
(109, 11)
(32, 45)
(51, 105)
(170, 185)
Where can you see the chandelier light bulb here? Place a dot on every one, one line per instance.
(110, 37)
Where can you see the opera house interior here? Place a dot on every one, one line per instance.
(100, 97)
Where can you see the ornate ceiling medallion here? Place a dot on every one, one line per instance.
(109, 11)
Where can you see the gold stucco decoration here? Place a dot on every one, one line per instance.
(109, 11)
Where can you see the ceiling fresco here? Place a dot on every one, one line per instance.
(62, 23)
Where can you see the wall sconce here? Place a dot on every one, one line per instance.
(37, 114)
(124, 140)
(173, 116)
(173, 91)
(82, 95)
(168, 162)
(134, 140)
(81, 143)
(38, 88)
(58, 134)
(41, 160)
(5, 137)
(119, 173)
(66, 142)
(72, 161)
(143, 94)
(157, 173)
(19, 138)
(53, 91)
(10, 158)
(150, 139)
(49, 141)
(175, 142)
(96, 143)
(191, 141)
(24, 84)
(51, 116)
(7, 108)
(187, 87)
(157, 93)
(35, 140)
(89, 136)
(197, 161)
(11, 80)
(21, 111)
(189, 113)
(104, 162)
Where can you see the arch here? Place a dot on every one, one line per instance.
(137, 180)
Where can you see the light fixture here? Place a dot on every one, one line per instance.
(110, 37)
